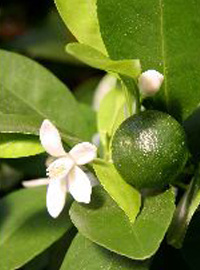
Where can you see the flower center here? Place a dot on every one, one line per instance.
(60, 167)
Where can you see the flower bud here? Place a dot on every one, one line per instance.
(150, 82)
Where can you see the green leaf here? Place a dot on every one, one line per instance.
(26, 228)
(96, 59)
(19, 145)
(163, 34)
(111, 114)
(103, 222)
(52, 257)
(15, 123)
(127, 198)
(81, 18)
(184, 213)
(29, 89)
(84, 254)
(30, 125)
(16, 135)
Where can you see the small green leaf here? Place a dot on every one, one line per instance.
(127, 198)
(81, 18)
(111, 114)
(19, 145)
(84, 254)
(26, 228)
(96, 59)
(104, 223)
(27, 88)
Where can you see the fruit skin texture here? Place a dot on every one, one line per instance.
(149, 149)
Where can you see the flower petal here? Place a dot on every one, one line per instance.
(56, 195)
(51, 140)
(93, 180)
(60, 167)
(35, 182)
(83, 153)
(79, 185)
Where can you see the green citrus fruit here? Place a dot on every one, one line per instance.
(149, 149)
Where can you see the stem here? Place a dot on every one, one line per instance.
(137, 99)
(128, 99)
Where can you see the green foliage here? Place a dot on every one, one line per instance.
(117, 37)
(81, 18)
(127, 198)
(26, 227)
(154, 32)
(35, 91)
(103, 222)
(93, 257)
(19, 145)
(110, 115)
(96, 59)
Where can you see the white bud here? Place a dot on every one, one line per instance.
(150, 82)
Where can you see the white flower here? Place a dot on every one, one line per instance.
(150, 82)
(64, 173)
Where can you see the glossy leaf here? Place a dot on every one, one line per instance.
(163, 34)
(13, 141)
(26, 227)
(84, 254)
(104, 223)
(14, 123)
(111, 114)
(28, 88)
(96, 59)
(30, 125)
(127, 198)
(19, 145)
(16, 136)
(81, 18)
